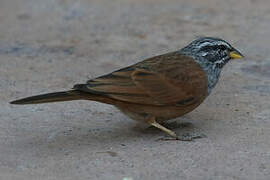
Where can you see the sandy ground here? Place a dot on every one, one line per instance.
(48, 45)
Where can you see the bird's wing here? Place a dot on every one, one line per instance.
(169, 79)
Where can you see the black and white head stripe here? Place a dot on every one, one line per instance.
(212, 50)
(210, 42)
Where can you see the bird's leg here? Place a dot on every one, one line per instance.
(152, 121)
(185, 137)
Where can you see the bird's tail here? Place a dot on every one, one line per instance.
(51, 97)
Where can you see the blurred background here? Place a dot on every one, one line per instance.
(48, 45)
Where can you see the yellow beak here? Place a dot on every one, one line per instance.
(236, 54)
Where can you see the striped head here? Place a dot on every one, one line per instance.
(215, 51)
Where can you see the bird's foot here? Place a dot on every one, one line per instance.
(185, 137)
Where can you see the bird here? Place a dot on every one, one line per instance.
(156, 89)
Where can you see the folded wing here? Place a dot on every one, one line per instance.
(167, 79)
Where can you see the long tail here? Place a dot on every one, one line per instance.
(51, 97)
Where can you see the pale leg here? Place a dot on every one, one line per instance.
(152, 121)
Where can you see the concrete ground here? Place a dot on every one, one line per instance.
(49, 45)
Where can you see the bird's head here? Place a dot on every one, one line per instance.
(215, 51)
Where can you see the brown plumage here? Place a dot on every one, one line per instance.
(154, 90)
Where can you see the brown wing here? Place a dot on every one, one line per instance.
(162, 80)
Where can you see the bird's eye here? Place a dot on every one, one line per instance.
(222, 47)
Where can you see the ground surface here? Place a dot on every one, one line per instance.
(51, 45)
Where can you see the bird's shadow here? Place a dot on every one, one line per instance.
(80, 139)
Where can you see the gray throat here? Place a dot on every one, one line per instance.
(212, 73)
